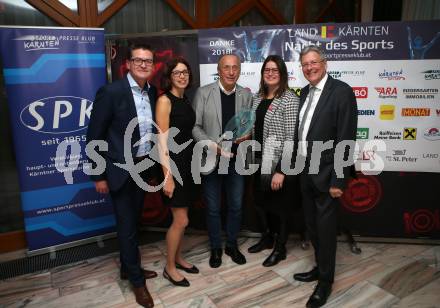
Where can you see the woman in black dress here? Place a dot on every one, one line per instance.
(276, 109)
(173, 111)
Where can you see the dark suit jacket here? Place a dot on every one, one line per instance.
(113, 109)
(334, 118)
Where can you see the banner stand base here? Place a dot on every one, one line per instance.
(53, 249)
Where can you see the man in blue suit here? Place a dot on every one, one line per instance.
(115, 105)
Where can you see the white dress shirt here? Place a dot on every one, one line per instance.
(316, 95)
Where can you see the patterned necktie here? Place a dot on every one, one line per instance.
(306, 112)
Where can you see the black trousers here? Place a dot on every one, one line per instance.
(320, 212)
(128, 203)
(272, 208)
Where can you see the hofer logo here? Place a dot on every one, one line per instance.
(387, 112)
(416, 112)
(360, 92)
(57, 114)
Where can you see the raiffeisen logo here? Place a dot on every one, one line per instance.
(57, 115)
(39, 42)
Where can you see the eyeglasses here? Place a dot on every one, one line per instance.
(274, 71)
(139, 61)
(185, 73)
(311, 64)
(228, 68)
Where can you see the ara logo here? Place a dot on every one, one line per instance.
(386, 92)
(57, 115)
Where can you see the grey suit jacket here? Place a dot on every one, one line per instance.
(208, 107)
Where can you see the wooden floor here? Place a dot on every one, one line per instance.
(384, 275)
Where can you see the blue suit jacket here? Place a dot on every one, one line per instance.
(113, 109)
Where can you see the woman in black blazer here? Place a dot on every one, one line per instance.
(276, 108)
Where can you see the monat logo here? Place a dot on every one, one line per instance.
(416, 112)
(57, 115)
(432, 74)
(386, 92)
(39, 42)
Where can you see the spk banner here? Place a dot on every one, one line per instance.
(393, 68)
(51, 77)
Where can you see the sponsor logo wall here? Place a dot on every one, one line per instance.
(394, 69)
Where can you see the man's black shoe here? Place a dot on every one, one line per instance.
(320, 295)
(277, 255)
(266, 242)
(313, 275)
(216, 257)
(235, 255)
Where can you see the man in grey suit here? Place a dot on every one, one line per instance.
(215, 104)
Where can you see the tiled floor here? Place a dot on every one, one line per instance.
(384, 275)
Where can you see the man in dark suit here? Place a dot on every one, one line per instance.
(328, 113)
(115, 105)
